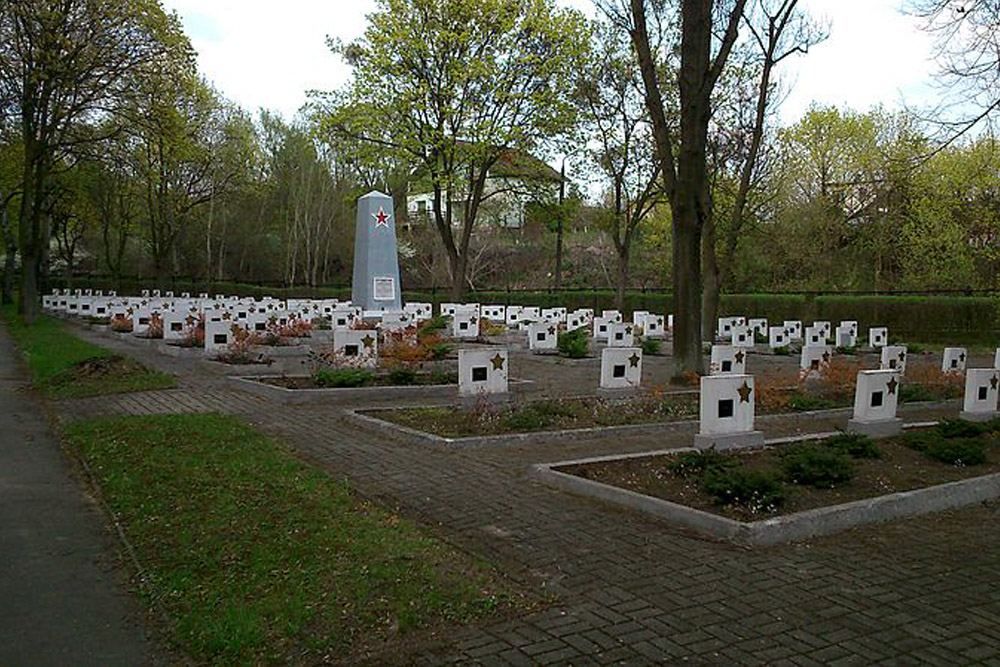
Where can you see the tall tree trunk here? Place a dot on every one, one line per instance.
(623, 276)
(713, 284)
(559, 226)
(10, 250)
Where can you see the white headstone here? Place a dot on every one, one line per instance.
(875, 400)
(542, 336)
(953, 360)
(654, 326)
(981, 390)
(482, 371)
(356, 347)
(815, 359)
(742, 336)
(621, 334)
(728, 360)
(894, 358)
(621, 368)
(878, 337)
(777, 337)
(794, 329)
(726, 413)
(465, 324)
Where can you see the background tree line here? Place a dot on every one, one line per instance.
(117, 157)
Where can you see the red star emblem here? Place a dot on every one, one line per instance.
(381, 218)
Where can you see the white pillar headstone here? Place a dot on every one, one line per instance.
(981, 390)
(875, 400)
(621, 368)
(953, 360)
(894, 358)
(728, 360)
(726, 413)
(482, 372)
(878, 337)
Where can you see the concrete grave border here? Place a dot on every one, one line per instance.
(252, 385)
(778, 530)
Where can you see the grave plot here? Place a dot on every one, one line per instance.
(546, 419)
(792, 490)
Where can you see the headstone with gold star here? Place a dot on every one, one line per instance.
(953, 360)
(654, 326)
(726, 413)
(376, 259)
(894, 358)
(758, 326)
(878, 337)
(621, 334)
(357, 348)
(177, 324)
(728, 360)
(621, 368)
(483, 372)
(981, 391)
(846, 336)
(494, 313)
(556, 315)
(814, 335)
(814, 360)
(465, 323)
(742, 336)
(513, 316)
(875, 399)
(794, 329)
(778, 338)
(601, 327)
(542, 337)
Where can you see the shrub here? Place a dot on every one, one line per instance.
(696, 464)
(850, 351)
(855, 445)
(433, 325)
(403, 376)
(957, 451)
(782, 351)
(651, 346)
(815, 466)
(915, 393)
(573, 344)
(343, 377)
(535, 416)
(958, 428)
(756, 492)
(802, 403)
(121, 324)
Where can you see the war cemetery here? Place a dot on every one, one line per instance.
(547, 338)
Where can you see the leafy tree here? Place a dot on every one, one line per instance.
(452, 86)
(65, 64)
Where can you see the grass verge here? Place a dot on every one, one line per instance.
(257, 557)
(65, 366)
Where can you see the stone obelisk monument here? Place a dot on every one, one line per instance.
(376, 261)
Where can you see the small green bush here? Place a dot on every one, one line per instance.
(573, 344)
(855, 445)
(651, 346)
(403, 376)
(695, 464)
(434, 325)
(959, 428)
(757, 492)
(440, 350)
(536, 416)
(816, 466)
(782, 351)
(801, 403)
(849, 351)
(343, 377)
(957, 451)
(915, 393)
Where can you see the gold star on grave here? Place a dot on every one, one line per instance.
(961, 357)
(368, 341)
(497, 361)
(552, 331)
(634, 360)
(739, 356)
(381, 218)
(826, 357)
(891, 385)
(902, 356)
(744, 392)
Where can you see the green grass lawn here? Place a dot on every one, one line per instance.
(256, 556)
(65, 366)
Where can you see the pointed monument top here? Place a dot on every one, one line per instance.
(375, 193)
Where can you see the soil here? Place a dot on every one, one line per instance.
(454, 422)
(307, 382)
(899, 469)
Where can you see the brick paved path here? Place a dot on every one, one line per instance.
(633, 589)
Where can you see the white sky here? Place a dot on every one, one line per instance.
(262, 53)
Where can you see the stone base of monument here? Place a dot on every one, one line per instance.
(722, 441)
(977, 416)
(882, 428)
